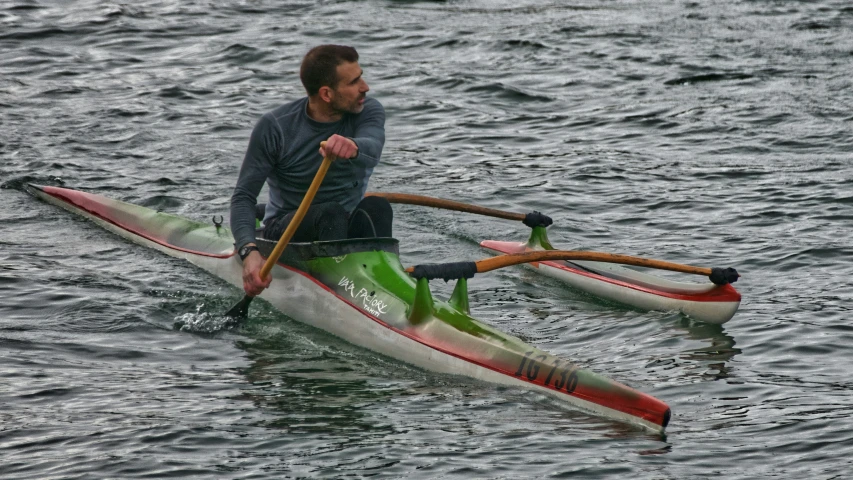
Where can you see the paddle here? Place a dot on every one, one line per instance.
(241, 309)
(719, 276)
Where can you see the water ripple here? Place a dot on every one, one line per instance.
(702, 132)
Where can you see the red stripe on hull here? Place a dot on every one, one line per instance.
(91, 204)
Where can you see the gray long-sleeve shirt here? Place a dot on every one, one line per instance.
(283, 151)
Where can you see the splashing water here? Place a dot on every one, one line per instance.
(200, 321)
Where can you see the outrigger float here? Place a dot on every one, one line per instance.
(358, 290)
(715, 301)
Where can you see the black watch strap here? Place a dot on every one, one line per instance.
(246, 250)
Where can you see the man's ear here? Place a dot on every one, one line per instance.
(326, 94)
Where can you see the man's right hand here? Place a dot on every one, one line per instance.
(340, 147)
(253, 284)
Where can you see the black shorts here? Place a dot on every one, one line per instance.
(372, 217)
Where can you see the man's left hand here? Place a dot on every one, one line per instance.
(340, 147)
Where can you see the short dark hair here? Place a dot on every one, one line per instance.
(320, 66)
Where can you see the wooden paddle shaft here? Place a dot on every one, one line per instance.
(501, 261)
(298, 216)
(446, 204)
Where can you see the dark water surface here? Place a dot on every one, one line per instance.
(710, 133)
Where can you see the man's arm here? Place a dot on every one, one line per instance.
(365, 147)
(370, 134)
(261, 155)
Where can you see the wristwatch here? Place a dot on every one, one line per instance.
(245, 250)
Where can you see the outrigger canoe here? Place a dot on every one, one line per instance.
(358, 290)
(715, 301)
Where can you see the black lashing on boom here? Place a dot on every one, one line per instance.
(536, 219)
(722, 276)
(445, 271)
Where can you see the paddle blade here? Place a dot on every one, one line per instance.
(240, 311)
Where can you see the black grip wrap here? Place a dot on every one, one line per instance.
(722, 276)
(537, 219)
(445, 271)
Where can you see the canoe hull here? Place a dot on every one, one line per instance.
(367, 299)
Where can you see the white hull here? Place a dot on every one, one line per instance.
(305, 300)
(711, 312)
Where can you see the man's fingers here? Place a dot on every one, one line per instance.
(340, 147)
(250, 289)
(254, 289)
(253, 284)
(258, 284)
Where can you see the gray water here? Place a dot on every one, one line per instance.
(712, 133)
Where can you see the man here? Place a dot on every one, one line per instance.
(283, 151)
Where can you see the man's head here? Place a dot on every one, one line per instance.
(331, 74)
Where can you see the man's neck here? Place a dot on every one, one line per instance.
(319, 111)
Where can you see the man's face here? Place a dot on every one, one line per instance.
(351, 90)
